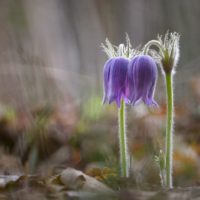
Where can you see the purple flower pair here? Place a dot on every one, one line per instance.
(132, 80)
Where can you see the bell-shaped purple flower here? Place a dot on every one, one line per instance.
(115, 73)
(142, 77)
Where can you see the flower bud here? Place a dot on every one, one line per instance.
(169, 51)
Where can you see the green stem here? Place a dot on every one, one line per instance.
(122, 141)
(169, 130)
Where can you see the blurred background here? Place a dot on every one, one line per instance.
(51, 63)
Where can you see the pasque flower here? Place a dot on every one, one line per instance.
(141, 81)
(168, 56)
(115, 72)
(115, 77)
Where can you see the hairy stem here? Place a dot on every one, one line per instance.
(122, 141)
(169, 130)
(152, 43)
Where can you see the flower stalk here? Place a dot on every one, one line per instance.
(169, 130)
(122, 131)
(123, 141)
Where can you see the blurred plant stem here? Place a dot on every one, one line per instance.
(122, 142)
(169, 130)
(33, 159)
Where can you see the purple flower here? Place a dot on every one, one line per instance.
(115, 72)
(142, 77)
